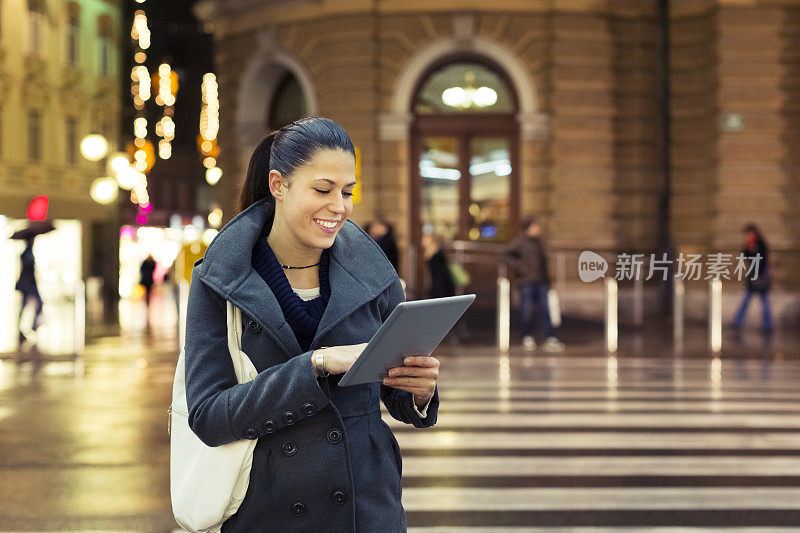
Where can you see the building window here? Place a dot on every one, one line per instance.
(34, 136)
(37, 23)
(464, 88)
(73, 35)
(105, 56)
(71, 139)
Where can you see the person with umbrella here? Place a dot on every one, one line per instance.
(26, 284)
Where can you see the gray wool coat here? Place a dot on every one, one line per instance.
(325, 460)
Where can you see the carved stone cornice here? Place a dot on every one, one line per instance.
(71, 94)
(105, 90)
(36, 89)
(71, 78)
(35, 68)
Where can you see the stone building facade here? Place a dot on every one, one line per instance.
(60, 81)
(585, 123)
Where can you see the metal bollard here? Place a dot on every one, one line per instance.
(80, 318)
(677, 314)
(561, 272)
(612, 325)
(638, 299)
(715, 315)
(503, 313)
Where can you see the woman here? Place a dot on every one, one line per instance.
(313, 289)
(383, 234)
(441, 282)
(26, 284)
(758, 278)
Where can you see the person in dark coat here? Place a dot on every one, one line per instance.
(383, 233)
(313, 289)
(441, 281)
(527, 257)
(26, 284)
(146, 271)
(758, 278)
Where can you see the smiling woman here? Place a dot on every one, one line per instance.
(313, 288)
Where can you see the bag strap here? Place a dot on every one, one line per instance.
(234, 319)
(242, 365)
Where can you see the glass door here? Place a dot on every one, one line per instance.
(440, 180)
(489, 212)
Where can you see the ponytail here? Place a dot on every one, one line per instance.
(288, 148)
(256, 184)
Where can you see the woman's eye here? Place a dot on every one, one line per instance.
(347, 194)
(321, 191)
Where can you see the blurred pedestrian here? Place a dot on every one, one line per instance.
(146, 271)
(526, 255)
(313, 288)
(441, 281)
(383, 234)
(758, 279)
(26, 284)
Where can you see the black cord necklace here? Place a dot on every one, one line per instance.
(287, 267)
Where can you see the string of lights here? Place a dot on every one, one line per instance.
(209, 128)
(161, 87)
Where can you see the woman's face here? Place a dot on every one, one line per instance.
(317, 199)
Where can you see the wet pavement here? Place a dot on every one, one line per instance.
(649, 436)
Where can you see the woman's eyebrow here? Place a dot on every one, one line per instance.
(332, 182)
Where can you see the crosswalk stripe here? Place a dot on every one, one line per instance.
(478, 440)
(606, 466)
(502, 420)
(524, 499)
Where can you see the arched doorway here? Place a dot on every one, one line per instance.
(464, 154)
(287, 102)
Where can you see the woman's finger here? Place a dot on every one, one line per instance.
(425, 383)
(421, 360)
(413, 371)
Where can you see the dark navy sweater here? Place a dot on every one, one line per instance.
(303, 317)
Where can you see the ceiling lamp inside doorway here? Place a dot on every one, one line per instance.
(469, 96)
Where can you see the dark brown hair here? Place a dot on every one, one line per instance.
(288, 148)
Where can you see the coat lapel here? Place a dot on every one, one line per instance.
(227, 269)
(347, 295)
(358, 273)
(256, 300)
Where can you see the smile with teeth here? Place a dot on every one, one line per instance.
(328, 224)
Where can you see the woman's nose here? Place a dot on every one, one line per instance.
(337, 205)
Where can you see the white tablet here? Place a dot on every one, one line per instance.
(413, 328)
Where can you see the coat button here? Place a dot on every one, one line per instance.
(289, 449)
(251, 433)
(309, 409)
(298, 508)
(339, 497)
(254, 326)
(269, 426)
(288, 417)
(334, 435)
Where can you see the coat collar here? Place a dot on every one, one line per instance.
(358, 273)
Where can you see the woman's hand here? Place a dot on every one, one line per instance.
(338, 359)
(418, 376)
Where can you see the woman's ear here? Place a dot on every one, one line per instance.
(275, 184)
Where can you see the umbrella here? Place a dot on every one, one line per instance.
(36, 227)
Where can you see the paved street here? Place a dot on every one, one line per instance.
(526, 442)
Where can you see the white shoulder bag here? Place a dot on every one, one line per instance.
(208, 484)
